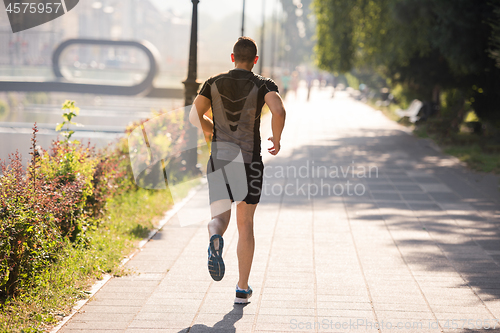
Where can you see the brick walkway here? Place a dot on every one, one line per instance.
(414, 242)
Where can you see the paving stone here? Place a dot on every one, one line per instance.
(103, 317)
(385, 196)
(139, 330)
(408, 188)
(381, 187)
(96, 325)
(425, 180)
(415, 197)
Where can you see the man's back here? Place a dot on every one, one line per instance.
(237, 98)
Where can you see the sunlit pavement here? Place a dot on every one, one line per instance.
(362, 228)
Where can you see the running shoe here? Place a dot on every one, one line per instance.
(216, 266)
(242, 295)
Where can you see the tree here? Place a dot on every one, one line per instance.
(495, 37)
(425, 45)
(298, 28)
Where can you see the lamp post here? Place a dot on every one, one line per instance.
(243, 20)
(273, 45)
(261, 58)
(191, 85)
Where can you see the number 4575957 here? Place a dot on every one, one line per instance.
(33, 8)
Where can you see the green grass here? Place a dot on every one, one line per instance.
(390, 113)
(421, 132)
(130, 218)
(475, 158)
(468, 148)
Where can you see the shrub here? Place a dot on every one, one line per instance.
(111, 176)
(70, 167)
(60, 195)
(28, 236)
(166, 140)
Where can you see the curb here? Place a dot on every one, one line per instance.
(101, 283)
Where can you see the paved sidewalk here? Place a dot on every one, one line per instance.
(414, 242)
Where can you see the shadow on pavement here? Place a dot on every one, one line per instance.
(226, 325)
(457, 207)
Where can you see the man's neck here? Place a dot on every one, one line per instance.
(247, 67)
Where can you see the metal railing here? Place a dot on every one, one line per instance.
(60, 83)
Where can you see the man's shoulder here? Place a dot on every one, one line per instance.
(215, 77)
(266, 82)
(259, 80)
(262, 81)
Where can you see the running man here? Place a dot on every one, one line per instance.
(236, 99)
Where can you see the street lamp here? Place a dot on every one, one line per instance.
(273, 45)
(243, 20)
(191, 85)
(261, 58)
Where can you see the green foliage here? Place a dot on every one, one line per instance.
(166, 136)
(471, 116)
(71, 112)
(28, 232)
(129, 217)
(297, 41)
(352, 80)
(495, 36)
(425, 46)
(61, 195)
(476, 151)
(335, 46)
(475, 158)
(68, 164)
(68, 218)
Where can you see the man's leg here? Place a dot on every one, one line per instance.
(246, 241)
(220, 221)
(216, 228)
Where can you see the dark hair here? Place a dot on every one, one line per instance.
(245, 50)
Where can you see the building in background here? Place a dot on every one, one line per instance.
(29, 53)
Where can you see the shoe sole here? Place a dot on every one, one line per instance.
(216, 266)
(238, 300)
(242, 298)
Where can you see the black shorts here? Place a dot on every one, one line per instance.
(235, 181)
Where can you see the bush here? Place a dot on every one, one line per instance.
(166, 139)
(61, 198)
(28, 211)
(71, 168)
(60, 195)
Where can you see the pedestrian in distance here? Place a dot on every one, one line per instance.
(236, 99)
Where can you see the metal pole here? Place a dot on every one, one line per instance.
(282, 37)
(262, 32)
(190, 156)
(273, 56)
(243, 20)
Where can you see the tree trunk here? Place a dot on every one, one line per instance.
(459, 109)
(436, 99)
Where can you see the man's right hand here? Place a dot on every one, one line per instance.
(275, 149)
(275, 103)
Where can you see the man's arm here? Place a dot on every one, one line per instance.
(198, 117)
(275, 103)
